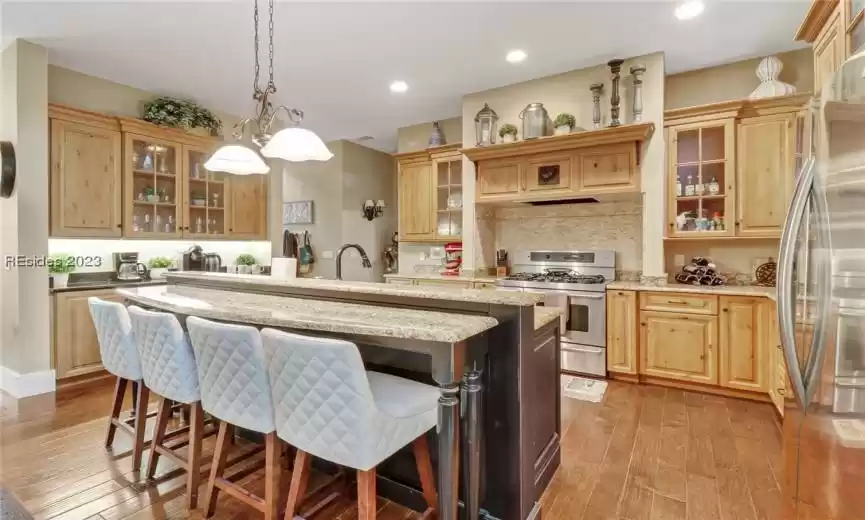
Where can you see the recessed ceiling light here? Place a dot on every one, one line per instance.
(398, 86)
(516, 56)
(689, 9)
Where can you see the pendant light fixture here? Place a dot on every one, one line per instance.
(293, 143)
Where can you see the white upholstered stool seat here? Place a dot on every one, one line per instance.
(120, 358)
(327, 405)
(234, 389)
(168, 369)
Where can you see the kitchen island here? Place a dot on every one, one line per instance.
(476, 345)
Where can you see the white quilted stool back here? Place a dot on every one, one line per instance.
(167, 362)
(232, 374)
(114, 332)
(328, 405)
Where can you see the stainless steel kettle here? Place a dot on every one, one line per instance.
(212, 262)
(534, 118)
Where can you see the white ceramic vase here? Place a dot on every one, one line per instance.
(60, 280)
(509, 138)
(562, 130)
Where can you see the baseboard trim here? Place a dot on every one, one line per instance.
(26, 385)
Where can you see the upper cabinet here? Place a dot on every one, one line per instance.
(580, 164)
(731, 166)
(430, 195)
(835, 30)
(113, 177)
(85, 179)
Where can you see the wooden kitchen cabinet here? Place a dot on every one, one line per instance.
(829, 50)
(447, 171)
(430, 195)
(152, 187)
(500, 179)
(622, 332)
(76, 347)
(415, 202)
(742, 352)
(548, 173)
(247, 213)
(679, 346)
(766, 149)
(206, 202)
(608, 169)
(85, 181)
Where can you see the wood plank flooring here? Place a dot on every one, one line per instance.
(644, 453)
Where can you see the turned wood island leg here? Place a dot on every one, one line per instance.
(472, 390)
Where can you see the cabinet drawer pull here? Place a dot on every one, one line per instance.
(781, 391)
(778, 347)
(678, 302)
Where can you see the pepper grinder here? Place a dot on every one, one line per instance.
(615, 68)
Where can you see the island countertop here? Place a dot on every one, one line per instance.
(418, 291)
(314, 315)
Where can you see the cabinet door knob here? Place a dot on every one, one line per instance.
(725, 310)
(778, 347)
(781, 391)
(643, 324)
(119, 225)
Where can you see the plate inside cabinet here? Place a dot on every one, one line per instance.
(7, 169)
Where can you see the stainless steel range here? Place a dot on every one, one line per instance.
(576, 282)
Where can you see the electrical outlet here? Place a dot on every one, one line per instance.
(679, 260)
(327, 254)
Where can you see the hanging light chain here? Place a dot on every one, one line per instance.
(255, 88)
(271, 86)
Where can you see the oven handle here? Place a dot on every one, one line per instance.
(582, 348)
(584, 296)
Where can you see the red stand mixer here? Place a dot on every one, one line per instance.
(453, 258)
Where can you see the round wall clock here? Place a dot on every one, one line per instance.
(7, 169)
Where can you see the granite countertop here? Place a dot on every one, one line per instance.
(314, 315)
(106, 284)
(726, 290)
(444, 277)
(434, 292)
(544, 315)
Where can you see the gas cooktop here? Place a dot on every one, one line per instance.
(557, 277)
(587, 271)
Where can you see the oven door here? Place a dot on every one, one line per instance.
(584, 319)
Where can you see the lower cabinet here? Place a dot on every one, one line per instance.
(742, 353)
(622, 332)
(679, 346)
(76, 347)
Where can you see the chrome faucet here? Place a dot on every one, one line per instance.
(364, 259)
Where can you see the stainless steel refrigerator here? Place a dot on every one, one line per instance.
(821, 310)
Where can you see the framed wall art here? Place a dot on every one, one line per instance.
(297, 212)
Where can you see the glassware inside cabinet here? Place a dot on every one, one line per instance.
(207, 196)
(449, 198)
(154, 187)
(700, 182)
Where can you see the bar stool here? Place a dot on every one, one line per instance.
(327, 405)
(234, 389)
(120, 358)
(169, 371)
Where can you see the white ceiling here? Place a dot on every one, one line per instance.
(336, 60)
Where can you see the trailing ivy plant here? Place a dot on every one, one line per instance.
(179, 113)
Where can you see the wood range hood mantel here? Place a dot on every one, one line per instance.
(630, 133)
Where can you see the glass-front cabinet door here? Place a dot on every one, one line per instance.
(448, 179)
(204, 213)
(702, 180)
(153, 189)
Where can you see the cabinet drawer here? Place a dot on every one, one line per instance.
(499, 178)
(548, 172)
(679, 302)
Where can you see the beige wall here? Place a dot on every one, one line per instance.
(24, 302)
(736, 80)
(416, 137)
(569, 92)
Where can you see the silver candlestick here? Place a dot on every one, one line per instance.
(615, 68)
(637, 71)
(597, 89)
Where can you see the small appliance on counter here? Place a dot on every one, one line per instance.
(195, 259)
(127, 268)
(453, 258)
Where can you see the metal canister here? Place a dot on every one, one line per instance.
(534, 118)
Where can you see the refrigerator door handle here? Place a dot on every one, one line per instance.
(786, 253)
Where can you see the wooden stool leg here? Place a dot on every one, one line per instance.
(366, 502)
(425, 470)
(272, 474)
(116, 406)
(217, 468)
(142, 396)
(299, 478)
(162, 417)
(193, 472)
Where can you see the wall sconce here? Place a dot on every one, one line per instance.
(373, 209)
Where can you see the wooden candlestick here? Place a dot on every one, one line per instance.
(597, 89)
(637, 71)
(615, 68)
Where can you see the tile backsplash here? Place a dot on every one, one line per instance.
(227, 249)
(604, 225)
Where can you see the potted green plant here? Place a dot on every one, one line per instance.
(182, 114)
(508, 133)
(59, 266)
(245, 263)
(564, 123)
(158, 266)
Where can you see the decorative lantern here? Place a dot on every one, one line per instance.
(485, 126)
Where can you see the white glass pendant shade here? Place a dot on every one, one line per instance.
(237, 160)
(296, 144)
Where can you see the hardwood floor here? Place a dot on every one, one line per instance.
(643, 453)
(651, 453)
